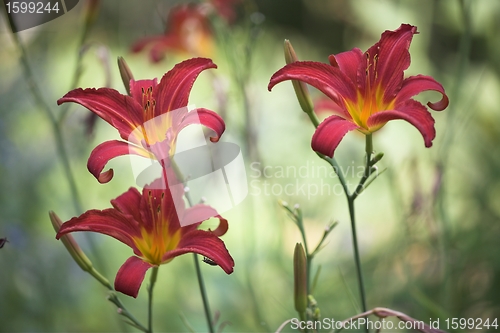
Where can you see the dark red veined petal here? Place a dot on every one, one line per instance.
(206, 118)
(173, 90)
(348, 62)
(329, 133)
(328, 79)
(414, 85)
(107, 222)
(130, 276)
(393, 59)
(414, 113)
(108, 150)
(129, 203)
(120, 111)
(138, 87)
(206, 244)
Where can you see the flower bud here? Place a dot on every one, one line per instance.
(125, 73)
(69, 242)
(300, 87)
(377, 158)
(300, 278)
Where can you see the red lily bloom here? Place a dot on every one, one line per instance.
(188, 31)
(150, 224)
(368, 90)
(146, 118)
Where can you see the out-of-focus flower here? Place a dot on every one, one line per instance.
(368, 90)
(188, 31)
(225, 9)
(146, 119)
(150, 224)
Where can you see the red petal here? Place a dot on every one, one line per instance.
(329, 133)
(120, 111)
(107, 222)
(129, 203)
(173, 90)
(348, 62)
(107, 151)
(139, 45)
(414, 113)
(221, 228)
(206, 118)
(137, 88)
(168, 42)
(393, 59)
(327, 105)
(130, 276)
(328, 79)
(414, 85)
(206, 244)
(199, 213)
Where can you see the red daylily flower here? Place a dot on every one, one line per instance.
(368, 90)
(188, 31)
(146, 118)
(150, 224)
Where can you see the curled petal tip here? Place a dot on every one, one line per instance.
(105, 177)
(441, 105)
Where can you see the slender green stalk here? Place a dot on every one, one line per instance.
(203, 292)
(199, 275)
(152, 281)
(357, 260)
(39, 100)
(350, 201)
(77, 73)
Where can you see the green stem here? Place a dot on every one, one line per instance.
(367, 173)
(350, 201)
(357, 260)
(38, 96)
(201, 283)
(203, 292)
(124, 312)
(78, 68)
(152, 281)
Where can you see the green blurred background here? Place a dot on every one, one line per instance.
(429, 228)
